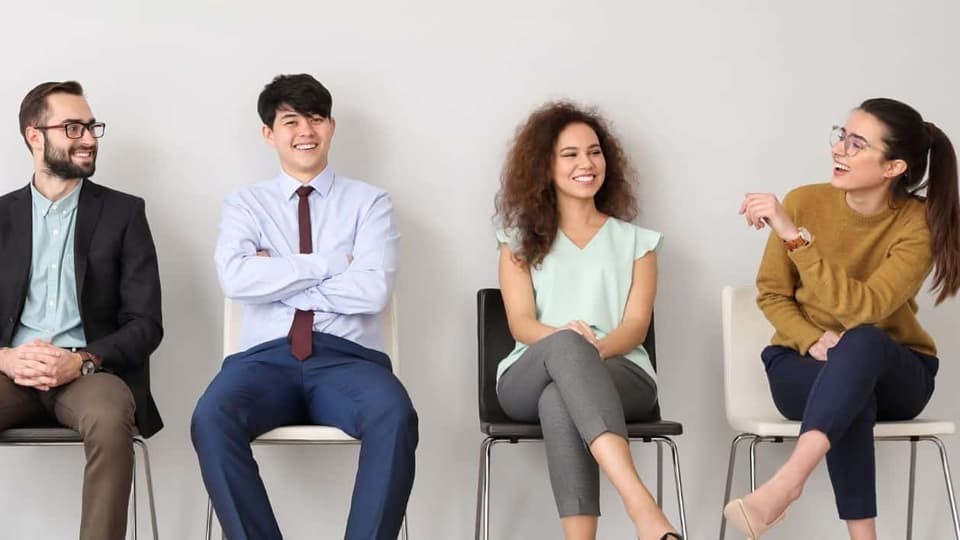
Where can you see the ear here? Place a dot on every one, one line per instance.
(267, 133)
(333, 126)
(34, 138)
(894, 168)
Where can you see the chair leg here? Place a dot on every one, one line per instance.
(209, 527)
(730, 469)
(659, 473)
(483, 491)
(151, 499)
(948, 480)
(910, 487)
(134, 494)
(678, 483)
(753, 462)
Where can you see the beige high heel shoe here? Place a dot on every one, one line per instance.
(749, 523)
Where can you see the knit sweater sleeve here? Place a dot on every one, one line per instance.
(777, 281)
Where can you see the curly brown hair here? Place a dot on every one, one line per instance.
(527, 200)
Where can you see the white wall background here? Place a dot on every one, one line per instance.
(711, 99)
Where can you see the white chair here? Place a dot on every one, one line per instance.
(306, 434)
(751, 411)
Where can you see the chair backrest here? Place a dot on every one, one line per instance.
(746, 332)
(233, 324)
(494, 343)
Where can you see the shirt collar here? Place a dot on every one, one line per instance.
(321, 183)
(44, 205)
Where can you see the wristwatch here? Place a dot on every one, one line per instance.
(803, 239)
(89, 365)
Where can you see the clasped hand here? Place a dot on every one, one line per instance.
(40, 364)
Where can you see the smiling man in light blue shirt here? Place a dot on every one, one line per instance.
(312, 255)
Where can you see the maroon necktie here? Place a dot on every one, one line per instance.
(301, 332)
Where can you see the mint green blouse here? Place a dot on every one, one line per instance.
(589, 284)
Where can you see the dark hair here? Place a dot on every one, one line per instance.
(909, 138)
(527, 200)
(302, 93)
(33, 108)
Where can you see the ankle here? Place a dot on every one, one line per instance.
(791, 492)
(641, 510)
(646, 520)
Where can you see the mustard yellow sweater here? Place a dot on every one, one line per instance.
(859, 270)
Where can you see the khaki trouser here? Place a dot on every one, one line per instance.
(99, 406)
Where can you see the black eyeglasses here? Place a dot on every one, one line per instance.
(75, 130)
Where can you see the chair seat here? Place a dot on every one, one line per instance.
(305, 434)
(779, 427)
(514, 430)
(44, 435)
(40, 435)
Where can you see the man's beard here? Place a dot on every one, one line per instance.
(58, 162)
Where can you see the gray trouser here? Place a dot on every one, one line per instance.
(562, 383)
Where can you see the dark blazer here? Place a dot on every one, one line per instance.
(118, 283)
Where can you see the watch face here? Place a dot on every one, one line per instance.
(88, 367)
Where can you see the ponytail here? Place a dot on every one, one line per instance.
(943, 214)
(911, 139)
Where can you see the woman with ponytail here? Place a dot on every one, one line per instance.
(838, 282)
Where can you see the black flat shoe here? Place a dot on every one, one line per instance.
(670, 535)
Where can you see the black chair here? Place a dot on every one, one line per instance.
(61, 436)
(495, 342)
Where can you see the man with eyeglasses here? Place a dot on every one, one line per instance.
(79, 303)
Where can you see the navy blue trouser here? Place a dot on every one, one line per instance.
(343, 385)
(868, 377)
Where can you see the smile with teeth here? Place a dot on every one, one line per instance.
(584, 178)
(840, 166)
(83, 154)
(305, 146)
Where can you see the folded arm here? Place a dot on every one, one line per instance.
(777, 281)
(856, 302)
(364, 286)
(256, 280)
(632, 331)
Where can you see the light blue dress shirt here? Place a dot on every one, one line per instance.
(51, 311)
(347, 217)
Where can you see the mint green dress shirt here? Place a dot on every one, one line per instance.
(52, 311)
(590, 284)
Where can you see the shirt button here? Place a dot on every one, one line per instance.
(56, 231)
(53, 266)
(50, 303)
(53, 207)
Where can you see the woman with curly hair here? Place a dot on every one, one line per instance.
(578, 282)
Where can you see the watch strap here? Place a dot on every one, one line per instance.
(802, 239)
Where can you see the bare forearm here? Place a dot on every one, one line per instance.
(625, 338)
(529, 330)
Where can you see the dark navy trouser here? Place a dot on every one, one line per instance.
(343, 385)
(868, 377)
